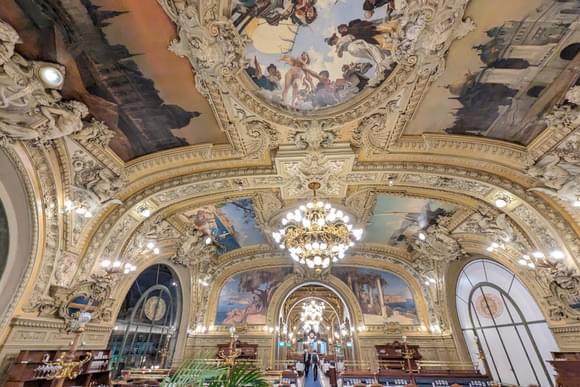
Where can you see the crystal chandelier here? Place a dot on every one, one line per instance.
(316, 233)
(311, 316)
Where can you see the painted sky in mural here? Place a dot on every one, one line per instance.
(245, 298)
(311, 54)
(231, 225)
(370, 285)
(394, 217)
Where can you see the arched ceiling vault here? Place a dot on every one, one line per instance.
(452, 104)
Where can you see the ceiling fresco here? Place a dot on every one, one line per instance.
(122, 70)
(231, 225)
(498, 78)
(394, 218)
(314, 54)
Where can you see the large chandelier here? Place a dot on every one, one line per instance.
(316, 233)
(311, 316)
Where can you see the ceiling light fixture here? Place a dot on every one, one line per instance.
(51, 76)
(316, 234)
(501, 203)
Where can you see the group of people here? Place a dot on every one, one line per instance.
(299, 12)
(311, 359)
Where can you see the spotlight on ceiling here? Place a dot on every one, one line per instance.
(51, 76)
(501, 203)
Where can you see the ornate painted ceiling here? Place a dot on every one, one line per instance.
(213, 116)
(371, 75)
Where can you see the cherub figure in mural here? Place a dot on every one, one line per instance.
(298, 73)
(270, 80)
(360, 48)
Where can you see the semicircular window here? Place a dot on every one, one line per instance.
(4, 239)
(146, 328)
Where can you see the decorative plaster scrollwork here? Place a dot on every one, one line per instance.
(559, 170)
(438, 244)
(96, 133)
(214, 48)
(564, 285)
(193, 250)
(90, 176)
(31, 110)
(497, 227)
(313, 135)
(372, 132)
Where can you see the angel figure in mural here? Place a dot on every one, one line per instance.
(360, 48)
(298, 75)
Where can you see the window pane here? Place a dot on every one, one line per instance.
(498, 275)
(499, 356)
(524, 300)
(517, 355)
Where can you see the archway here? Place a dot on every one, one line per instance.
(332, 333)
(146, 329)
(501, 320)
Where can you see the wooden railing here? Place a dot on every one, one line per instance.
(455, 366)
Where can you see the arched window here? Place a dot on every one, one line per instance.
(147, 325)
(496, 310)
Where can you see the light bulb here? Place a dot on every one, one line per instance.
(150, 245)
(146, 212)
(208, 241)
(51, 76)
(500, 203)
(557, 254)
(106, 263)
(422, 236)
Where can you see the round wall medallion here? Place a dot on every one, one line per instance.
(489, 305)
(155, 308)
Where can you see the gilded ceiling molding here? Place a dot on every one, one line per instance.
(453, 179)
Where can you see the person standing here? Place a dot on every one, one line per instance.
(306, 363)
(315, 361)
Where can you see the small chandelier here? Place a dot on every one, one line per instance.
(316, 234)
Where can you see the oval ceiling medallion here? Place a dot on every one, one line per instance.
(308, 55)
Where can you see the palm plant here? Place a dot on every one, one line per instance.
(197, 373)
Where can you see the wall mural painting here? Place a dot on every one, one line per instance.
(394, 219)
(496, 76)
(312, 54)
(370, 286)
(231, 225)
(245, 297)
